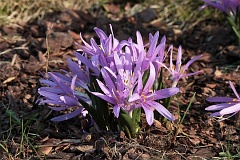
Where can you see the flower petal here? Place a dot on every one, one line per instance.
(153, 44)
(218, 106)
(87, 62)
(70, 101)
(103, 88)
(100, 33)
(108, 80)
(49, 95)
(149, 114)
(234, 90)
(140, 42)
(116, 110)
(215, 114)
(164, 93)
(60, 84)
(162, 110)
(104, 97)
(134, 97)
(232, 109)
(220, 99)
(179, 59)
(190, 62)
(151, 78)
(67, 116)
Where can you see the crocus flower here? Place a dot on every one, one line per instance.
(154, 53)
(178, 71)
(101, 54)
(145, 97)
(60, 95)
(228, 106)
(232, 9)
(227, 6)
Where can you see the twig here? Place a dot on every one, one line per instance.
(17, 48)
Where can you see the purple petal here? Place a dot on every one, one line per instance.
(139, 63)
(153, 44)
(151, 78)
(164, 93)
(73, 82)
(215, 114)
(87, 62)
(118, 63)
(170, 49)
(49, 95)
(51, 90)
(100, 33)
(134, 97)
(84, 42)
(116, 110)
(74, 67)
(48, 82)
(232, 109)
(179, 59)
(140, 42)
(68, 116)
(217, 4)
(103, 88)
(218, 107)
(115, 41)
(190, 62)
(169, 70)
(108, 80)
(162, 110)
(234, 90)
(110, 71)
(60, 84)
(104, 97)
(69, 101)
(149, 114)
(191, 74)
(220, 99)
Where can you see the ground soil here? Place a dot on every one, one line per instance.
(23, 57)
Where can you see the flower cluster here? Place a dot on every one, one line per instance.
(121, 73)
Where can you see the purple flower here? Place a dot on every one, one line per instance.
(178, 71)
(128, 97)
(154, 53)
(114, 92)
(101, 54)
(229, 106)
(227, 6)
(145, 97)
(60, 95)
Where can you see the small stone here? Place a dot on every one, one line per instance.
(148, 15)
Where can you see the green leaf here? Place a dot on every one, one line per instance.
(12, 114)
(127, 123)
(145, 77)
(136, 117)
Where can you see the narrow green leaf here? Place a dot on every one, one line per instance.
(127, 124)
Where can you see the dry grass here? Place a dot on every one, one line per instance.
(186, 12)
(18, 11)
